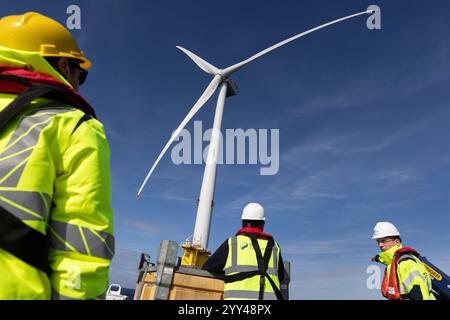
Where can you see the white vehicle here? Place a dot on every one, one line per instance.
(114, 293)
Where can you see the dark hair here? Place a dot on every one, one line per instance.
(396, 238)
(252, 223)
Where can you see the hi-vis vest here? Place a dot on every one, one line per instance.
(251, 272)
(56, 223)
(398, 283)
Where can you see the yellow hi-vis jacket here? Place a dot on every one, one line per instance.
(242, 258)
(55, 178)
(412, 275)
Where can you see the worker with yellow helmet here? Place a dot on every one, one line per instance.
(56, 221)
(405, 277)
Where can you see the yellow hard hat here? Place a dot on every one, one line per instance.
(34, 32)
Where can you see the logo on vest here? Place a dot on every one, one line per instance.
(245, 246)
(433, 272)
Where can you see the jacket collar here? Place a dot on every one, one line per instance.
(386, 257)
(30, 61)
(16, 81)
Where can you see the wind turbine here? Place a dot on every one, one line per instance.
(221, 78)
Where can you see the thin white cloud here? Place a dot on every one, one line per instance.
(142, 227)
(342, 244)
(383, 82)
(399, 176)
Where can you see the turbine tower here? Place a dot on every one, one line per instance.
(197, 253)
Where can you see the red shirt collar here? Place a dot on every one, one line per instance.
(256, 231)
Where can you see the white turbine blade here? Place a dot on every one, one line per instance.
(228, 71)
(200, 102)
(204, 65)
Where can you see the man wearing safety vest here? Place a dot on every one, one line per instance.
(251, 260)
(56, 222)
(405, 276)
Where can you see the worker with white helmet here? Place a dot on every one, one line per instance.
(405, 276)
(251, 260)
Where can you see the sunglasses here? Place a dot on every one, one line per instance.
(83, 73)
(385, 240)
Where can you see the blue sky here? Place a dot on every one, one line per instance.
(363, 118)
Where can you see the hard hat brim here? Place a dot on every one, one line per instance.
(86, 64)
(384, 236)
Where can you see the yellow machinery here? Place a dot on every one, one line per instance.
(194, 256)
(174, 278)
(171, 280)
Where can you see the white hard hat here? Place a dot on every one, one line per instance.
(384, 229)
(253, 211)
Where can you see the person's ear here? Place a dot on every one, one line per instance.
(63, 67)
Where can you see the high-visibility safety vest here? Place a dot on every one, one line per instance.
(399, 279)
(56, 222)
(251, 270)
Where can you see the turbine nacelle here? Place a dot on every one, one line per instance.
(232, 89)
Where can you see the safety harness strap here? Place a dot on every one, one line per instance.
(240, 276)
(263, 261)
(25, 243)
(21, 102)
